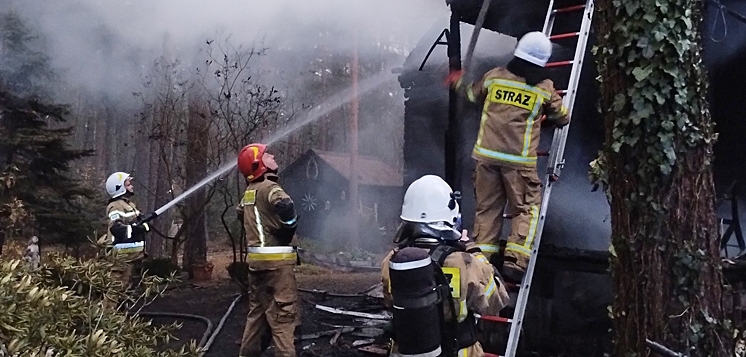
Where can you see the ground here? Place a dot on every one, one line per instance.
(212, 300)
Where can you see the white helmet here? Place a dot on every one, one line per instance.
(534, 47)
(115, 184)
(429, 199)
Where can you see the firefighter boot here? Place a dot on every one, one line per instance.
(511, 271)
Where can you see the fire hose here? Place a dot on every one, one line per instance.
(207, 321)
(209, 336)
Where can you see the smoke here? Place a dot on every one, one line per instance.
(106, 45)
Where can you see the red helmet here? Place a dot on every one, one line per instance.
(250, 161)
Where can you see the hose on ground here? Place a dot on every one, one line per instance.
(215, 333)
(207, 321)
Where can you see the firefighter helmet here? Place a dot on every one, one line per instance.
(534, 47)
(430, 200)
(250, 161)
(115, 184)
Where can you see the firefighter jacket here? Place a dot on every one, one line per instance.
(474, 288)
(126, 237)
(511, 117)
(270, 221)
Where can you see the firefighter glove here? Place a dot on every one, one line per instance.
(453, 79)
(140, 228)
(144, 218)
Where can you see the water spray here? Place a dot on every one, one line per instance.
(339, 99)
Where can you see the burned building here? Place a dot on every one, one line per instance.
(319, 182)
(571, 289)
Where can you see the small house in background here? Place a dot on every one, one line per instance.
(319, 183)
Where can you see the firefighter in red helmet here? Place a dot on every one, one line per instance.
(269, 218)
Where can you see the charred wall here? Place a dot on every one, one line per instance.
(567, 310)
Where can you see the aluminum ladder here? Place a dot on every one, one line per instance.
(567, 15)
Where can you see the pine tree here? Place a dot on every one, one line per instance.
(35, 154)
(24, 68)
(38, 159)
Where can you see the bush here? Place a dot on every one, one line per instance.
(59, 310)
(160, 267)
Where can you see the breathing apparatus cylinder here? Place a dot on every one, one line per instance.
(417, 303)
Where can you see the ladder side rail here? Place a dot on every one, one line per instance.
(549, 19)
(556, 154)
(556, 161)
(525, 287)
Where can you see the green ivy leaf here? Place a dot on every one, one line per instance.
(642, 73)
(631, 7)
(648, 52)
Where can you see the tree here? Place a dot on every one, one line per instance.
(35, 151)
(656, 167)
(24, 68)
(196, 122)
(240, 109)
(197, 154)
(163, 123)
(35, 167)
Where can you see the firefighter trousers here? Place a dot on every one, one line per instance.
(122, 272)
(273, 309)
(520, 189)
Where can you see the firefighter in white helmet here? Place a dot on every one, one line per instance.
(517, 99)
(126, 227)
(433, 284)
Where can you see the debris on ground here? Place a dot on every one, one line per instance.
(382, 316)
(341, 261)
(375, 350)
(359, 343)
(315, 335)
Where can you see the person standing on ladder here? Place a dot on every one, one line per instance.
(270, 221)
(126, 231)
(516, 101)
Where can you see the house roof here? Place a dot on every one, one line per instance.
(371, 171)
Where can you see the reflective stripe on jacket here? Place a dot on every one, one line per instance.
(125, 212)
(257, 209)
(510, 127)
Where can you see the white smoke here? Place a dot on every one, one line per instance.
(108, 44)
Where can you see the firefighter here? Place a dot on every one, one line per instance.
(432, 282)
(517, 99)
(127, 228)
(269, 217)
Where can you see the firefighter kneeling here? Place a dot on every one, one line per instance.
(433, 284)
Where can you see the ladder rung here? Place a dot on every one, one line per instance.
(491, 355)
(562, 91)
(568, 9)
(564, 35)
(558, 64)
(500, 319)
